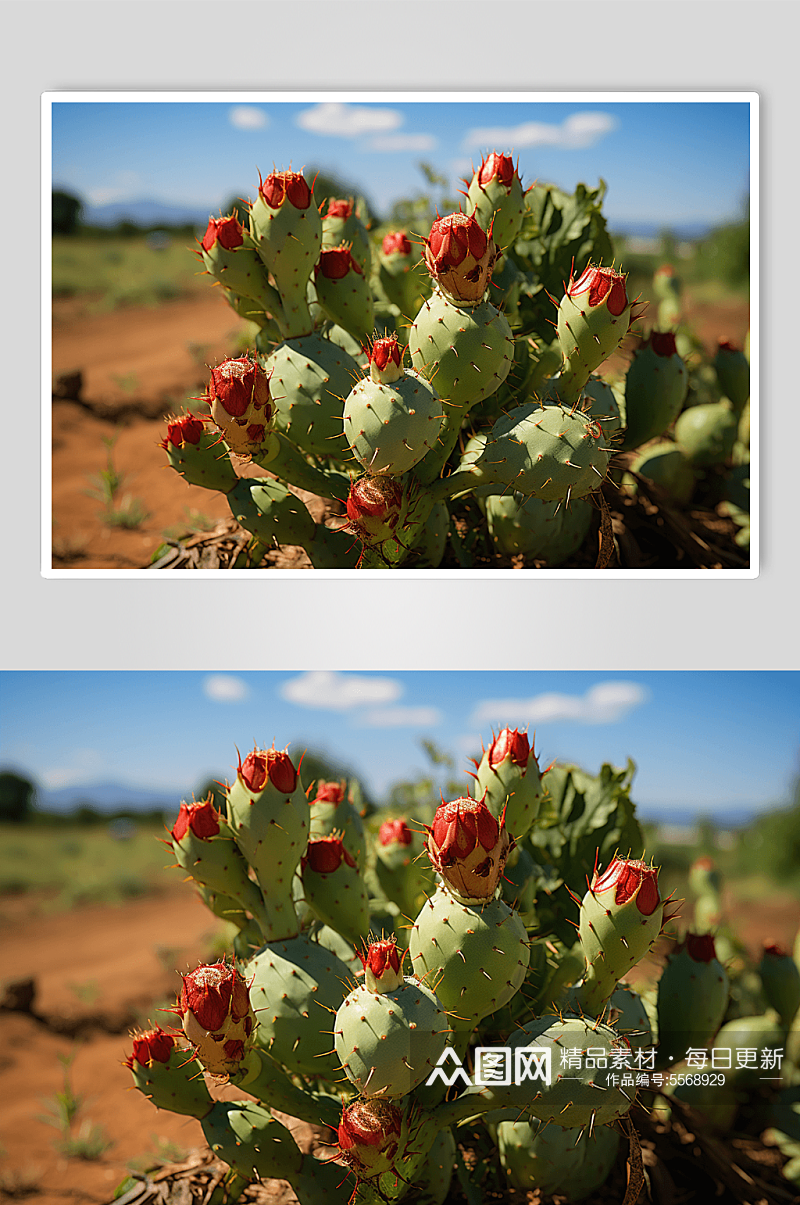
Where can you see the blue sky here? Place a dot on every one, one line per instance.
(665, 162)
(708, 740)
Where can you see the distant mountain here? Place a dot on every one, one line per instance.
(687, 231)
(146, 213)
(107, 797)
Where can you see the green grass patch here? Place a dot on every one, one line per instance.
(83, 863)
(125, 271)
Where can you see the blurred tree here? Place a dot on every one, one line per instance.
(67, 211)
(17, 797)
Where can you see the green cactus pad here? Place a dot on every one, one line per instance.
(271, 829)
(667, 464)
(466, 352)
(254, 1143)
(537, 529)
(707, 433)
(692, 1000)
(296, 988)
(205, 463)
(509, 788)
(548, 452)
(218, 864)
(474, 956)
(655, 390)
(547, 1157)
(389, 1042)
(390, 426)
(271, 512)
(309, 379)
(338, 898)
(177, 1085)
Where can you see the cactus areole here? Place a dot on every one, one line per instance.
(468, 848)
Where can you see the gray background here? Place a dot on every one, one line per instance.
(358, 623)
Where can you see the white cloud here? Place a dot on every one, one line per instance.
(574, 133)
(85, 763)
(122, 188)
(404, 142)
(402, 717)
(223, 688)
(348, 121)
(606, 703)
(247, 117)
(333, 691)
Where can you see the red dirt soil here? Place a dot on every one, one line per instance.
(139, 365)
(125, 956)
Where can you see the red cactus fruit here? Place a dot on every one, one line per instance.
(602, 284)
(497, 167)
(373, 505)
(382, 964)
(663, 343)
(239, 384)
(339, 208)
(185, 429)
(153, 1046)
(700, 947)
(452, 239)
(395, 832)
(468, 847)
(227, 232)
(326, 854)
(281, 186)
(269, 764)
(772, 950)
(213, 993)
(199, 816)
(336, 262)
(510, 742)
(396, 243)
(386, 351)
(630, 878)
(369, 1136)
(460, 256)
(330, 792)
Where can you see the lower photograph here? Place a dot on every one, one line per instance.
(426, 936)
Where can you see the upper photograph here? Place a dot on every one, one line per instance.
(412, 334)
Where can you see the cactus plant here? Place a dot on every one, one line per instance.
(324, 403)
(315, 1016)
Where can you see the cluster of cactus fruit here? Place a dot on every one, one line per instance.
(392, 378)
(374, 962)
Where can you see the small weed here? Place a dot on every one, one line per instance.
(107, 483)
(194, 522)
(62, 1108)
(130, 514)
(87, 992)
(126, 512)
(90, 1141)
(128, 383)
(20, 1182)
